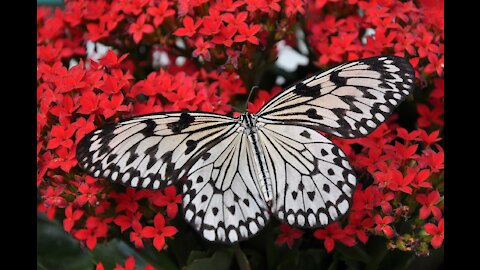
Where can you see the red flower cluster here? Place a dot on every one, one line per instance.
(198, 55)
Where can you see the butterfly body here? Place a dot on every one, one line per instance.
(236, 173)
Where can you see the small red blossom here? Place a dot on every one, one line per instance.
(288, 235)
(247, 33)
(428, 202)
(400, 182)
(139, 28)
(70, 217)
(189, 29)
(159, 231)
(130, 265)
(168, 198)
(88, 193)
(331, 233)
(53, 197)
(112, 60)
(202, 48)
(126, 221)
(137, 236)
(95, 228)
(382, 225)
(437, 232)
(160, 12)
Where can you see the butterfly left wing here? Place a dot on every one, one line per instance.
(151, 151)
(222, 198)
(312, 179)
(348, 101)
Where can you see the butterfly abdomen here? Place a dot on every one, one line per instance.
(260, 162)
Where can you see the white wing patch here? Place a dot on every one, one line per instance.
(312, 180)
(222, 197)
(348, 101)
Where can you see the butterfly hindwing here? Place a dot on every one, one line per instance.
(222, 198)
(312, 179)
(348, 101)
(150, 151)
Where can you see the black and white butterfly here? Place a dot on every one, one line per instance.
(237, 172)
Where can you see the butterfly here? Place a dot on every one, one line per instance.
(238, 172)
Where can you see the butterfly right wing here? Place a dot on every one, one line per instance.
(151, 151)
(222, 198)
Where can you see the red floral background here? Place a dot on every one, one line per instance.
(169, 55)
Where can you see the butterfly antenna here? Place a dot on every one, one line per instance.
(250, 94)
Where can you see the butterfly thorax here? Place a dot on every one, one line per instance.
(260, 163)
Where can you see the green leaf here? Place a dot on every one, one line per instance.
(56, 249)
(355, 253)
(221, 259)
(196, 254)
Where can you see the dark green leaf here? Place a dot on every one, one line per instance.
(355, 253)
(56, 249)
(220, 260)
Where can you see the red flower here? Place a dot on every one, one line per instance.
(139, 28)
(331, 233)
(225, 36)
(400, 182)
(421, 178)
(88, 103)
(382, 225)
(61, 137)
(292, 7)
(288, 235)
(112, 60)
(160, 12)
(113, 106)
(159, 232)
(126, 221)
(88, 193)
(53, 197)
(189, 28)
(128, 200)
(136, 236)
(429, 139)
(168, 198)
(211, 24)
(429, 116)
(70, 217)
(247, 33)
(428, 204)
(130, 265)
(437, 232)
(95, 228)
(202, 48)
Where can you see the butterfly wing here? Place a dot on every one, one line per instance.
(222, 198)
(348, 101)
(151, 151)
(312, 179)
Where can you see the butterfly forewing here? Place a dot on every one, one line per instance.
(312, 179)
(348, 101)
(222, 198)
(151, 151)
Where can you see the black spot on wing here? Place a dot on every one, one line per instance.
(183, 122)
(312, 113)
(191, 145)
(148, 130)
(305, 134)
(302, 90)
